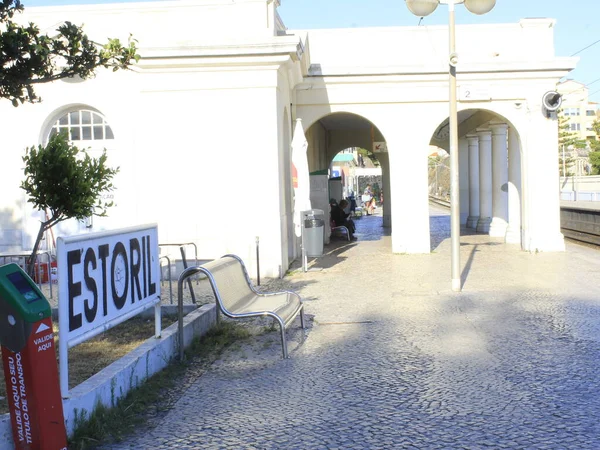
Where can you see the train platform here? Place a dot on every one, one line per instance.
(393, 358)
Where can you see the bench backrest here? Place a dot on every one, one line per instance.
(233, 286)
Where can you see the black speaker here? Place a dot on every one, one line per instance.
(552, 100)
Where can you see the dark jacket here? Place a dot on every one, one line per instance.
(338, 215)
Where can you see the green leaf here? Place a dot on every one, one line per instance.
(28, 57)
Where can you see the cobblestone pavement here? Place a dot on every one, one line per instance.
(394, 359)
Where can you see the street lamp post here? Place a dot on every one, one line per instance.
(422, 8)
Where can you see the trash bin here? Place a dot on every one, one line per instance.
(313, 236)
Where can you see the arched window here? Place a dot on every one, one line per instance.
(83, 125)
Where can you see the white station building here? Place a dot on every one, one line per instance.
(202, 126)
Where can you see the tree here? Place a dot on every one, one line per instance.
(567, 140)
(368, 154)
(66, 182)
(595, 146)
(28, 57)
(59, 178)
(439, 175)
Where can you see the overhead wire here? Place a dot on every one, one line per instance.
(585, 86)
(585, 48)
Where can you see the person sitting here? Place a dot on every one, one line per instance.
(341, 219)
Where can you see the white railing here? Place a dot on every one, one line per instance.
(579, 196)
(580, 189)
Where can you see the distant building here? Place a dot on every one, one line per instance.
(578, 109)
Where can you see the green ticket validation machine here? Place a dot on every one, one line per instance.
(29, 360)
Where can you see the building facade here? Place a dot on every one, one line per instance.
(576, 106)
(202, 127)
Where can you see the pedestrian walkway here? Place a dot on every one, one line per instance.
(394, 359)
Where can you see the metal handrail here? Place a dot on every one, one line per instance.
(183, 245)
(184, 260)
(25, 255)
(184, 275)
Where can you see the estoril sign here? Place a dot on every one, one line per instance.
(104, 279)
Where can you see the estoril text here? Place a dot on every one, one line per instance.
(105, 277)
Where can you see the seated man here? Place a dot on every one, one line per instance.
(340, 218)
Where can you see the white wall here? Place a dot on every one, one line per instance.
(580, 184)
(164, 23)
(200, 146)
(380, 50)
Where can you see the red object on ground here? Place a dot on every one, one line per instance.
(44, 273)
(33, 392)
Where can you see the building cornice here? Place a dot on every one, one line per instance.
(555, 65)
(282, 48)
(149, 6)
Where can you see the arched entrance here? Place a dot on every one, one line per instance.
(490, 173)
(338, 132)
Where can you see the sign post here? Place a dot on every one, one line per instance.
(105, 279)
(29, 359)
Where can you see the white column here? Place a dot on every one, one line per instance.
(485, 180)
(387, 204)
(463, 173)
(408, 194)
(473, 141)
(499, 180)
(513, 232)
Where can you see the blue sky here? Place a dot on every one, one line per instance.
(578, 22)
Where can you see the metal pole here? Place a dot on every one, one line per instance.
(304, 258)
(257, 261)
(564, 174)
(179, 318)
(454, 180)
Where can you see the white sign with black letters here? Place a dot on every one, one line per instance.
(106, 276)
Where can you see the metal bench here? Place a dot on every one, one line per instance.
(341, 228)
(237, 298)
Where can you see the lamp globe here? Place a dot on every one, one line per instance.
(422, 8)
(480, 6)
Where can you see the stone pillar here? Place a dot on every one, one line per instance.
(463, 171)
(513, 232)
(384, 160)
(473, 141)
(499, 180)
(485, 180)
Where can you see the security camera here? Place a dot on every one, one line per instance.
(551, 101)
(453, 59)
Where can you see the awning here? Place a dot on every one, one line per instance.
(343, 157)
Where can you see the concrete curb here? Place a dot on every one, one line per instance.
(116, 380)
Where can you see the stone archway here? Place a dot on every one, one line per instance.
(339, 131)
(490, 171)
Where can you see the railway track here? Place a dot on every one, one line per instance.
(592, 240)
(439, 201)
(581, 225)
